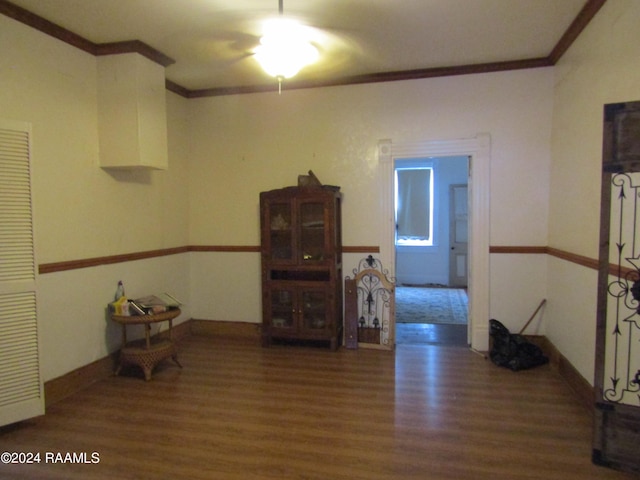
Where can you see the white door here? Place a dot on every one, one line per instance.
(458, 235)
(21, 391)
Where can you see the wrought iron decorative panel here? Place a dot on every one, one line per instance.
(376, 305)
(622, 351)
(616, 438)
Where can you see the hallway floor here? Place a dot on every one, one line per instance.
(431, 334)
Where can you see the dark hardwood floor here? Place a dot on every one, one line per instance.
(414, 333)
(239, 411)
(431, 334)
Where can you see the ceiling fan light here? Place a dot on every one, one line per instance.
(284, 50)
(285, 59)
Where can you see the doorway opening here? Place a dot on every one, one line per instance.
(431, 244)
(478, 150)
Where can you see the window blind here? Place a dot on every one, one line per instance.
(413, 205)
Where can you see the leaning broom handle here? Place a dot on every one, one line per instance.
(544, 300)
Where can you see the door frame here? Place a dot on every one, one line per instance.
(478, 149)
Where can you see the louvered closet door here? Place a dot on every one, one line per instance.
(21, 392)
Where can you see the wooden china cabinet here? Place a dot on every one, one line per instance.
(301, 253)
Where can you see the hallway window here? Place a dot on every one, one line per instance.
(414, 206)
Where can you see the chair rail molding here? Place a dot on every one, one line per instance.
(478, 149)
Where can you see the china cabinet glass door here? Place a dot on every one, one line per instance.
(281, 232)
(282, 308)
(312, 232)
(314, 309)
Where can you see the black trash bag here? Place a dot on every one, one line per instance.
(513, 351)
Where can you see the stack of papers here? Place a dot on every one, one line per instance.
(157, 303)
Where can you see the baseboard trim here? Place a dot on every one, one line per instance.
(582, 389)
(66, 385)
(80, 378)
(62, 387)
(228, 330)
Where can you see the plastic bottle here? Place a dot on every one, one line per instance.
(119, 291)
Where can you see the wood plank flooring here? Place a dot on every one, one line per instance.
(239, 411)
(431, 334)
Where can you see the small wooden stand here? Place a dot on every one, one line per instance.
(146, 353)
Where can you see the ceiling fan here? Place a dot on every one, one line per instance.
(286, 47)
(281, 45)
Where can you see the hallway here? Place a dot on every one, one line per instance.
(431, 316)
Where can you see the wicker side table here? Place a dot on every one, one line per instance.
(147, 353)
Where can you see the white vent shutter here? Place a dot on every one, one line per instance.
(21, 392)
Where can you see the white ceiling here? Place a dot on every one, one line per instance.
(211, 40)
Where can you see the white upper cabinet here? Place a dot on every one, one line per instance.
(132, 112)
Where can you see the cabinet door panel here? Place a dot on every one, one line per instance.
(282, 308)
(312, 232)
(314, 310)
(281, 239)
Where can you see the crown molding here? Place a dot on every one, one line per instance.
(136, 46)
(97, 49)
(575, 29)
(378, 77)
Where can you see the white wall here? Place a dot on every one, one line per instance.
(75, 329)
(601, 67)
(82, 211)
(518, 285)
(245, 144)
(226, 286)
